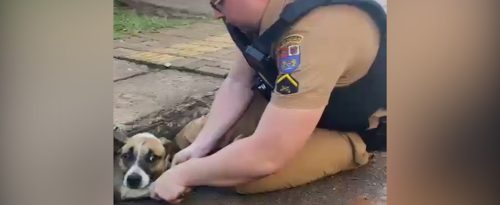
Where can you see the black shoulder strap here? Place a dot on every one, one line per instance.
(298, 9)
(262, 64)
(257, 53)
(239, 38)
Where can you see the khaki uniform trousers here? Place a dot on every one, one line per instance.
(325, 153)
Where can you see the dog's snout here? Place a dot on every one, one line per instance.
(134, 180)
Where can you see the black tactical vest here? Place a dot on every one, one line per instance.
(349, 107)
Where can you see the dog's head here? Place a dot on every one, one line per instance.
(143, 158)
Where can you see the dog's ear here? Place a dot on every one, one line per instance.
(119, 138)
(117, 146)
(170, 148)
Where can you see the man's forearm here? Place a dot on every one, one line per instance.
(280, 135)
(228, 167)
(230, 102)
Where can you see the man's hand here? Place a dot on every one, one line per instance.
(190, 152)
(281, 134)
(169, 188)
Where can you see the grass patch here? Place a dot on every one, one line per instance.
(129, 23)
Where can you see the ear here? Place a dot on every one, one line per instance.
(117, 146)
(170, 148)
(119, 138)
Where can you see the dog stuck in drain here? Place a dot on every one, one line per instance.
(142, 159)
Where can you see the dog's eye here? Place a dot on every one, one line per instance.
(125, 156)
(152, 158)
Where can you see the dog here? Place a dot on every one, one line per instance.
(141, 160)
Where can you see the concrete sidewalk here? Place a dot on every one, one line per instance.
(203, 47)
(155, 72)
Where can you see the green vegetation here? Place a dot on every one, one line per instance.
(128, 23)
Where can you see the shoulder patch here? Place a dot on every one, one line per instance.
(286, 84)
(288, 53)
(291, 39)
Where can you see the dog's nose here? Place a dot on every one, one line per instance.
(134, 180)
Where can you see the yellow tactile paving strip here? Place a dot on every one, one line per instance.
(193, 49)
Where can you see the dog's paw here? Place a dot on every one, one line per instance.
(127, 193)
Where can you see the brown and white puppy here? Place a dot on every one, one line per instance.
(143, 158)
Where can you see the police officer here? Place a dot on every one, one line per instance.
(306, 97)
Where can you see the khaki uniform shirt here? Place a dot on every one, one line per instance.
(332, 46)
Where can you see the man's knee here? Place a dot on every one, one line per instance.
(326, 153)
(189, 133)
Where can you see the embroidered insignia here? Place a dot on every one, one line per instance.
(291, 39)
(289, 64)
(288, 54)
(288, 61)
(293, 50)
(286, 84)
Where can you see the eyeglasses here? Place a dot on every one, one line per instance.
(217, 5)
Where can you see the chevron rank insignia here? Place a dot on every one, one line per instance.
(286, 84)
